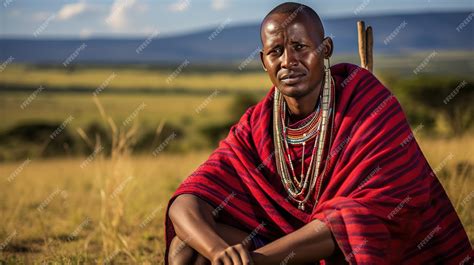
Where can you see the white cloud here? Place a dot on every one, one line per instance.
(179, 6)
(219, 4)
(117, 17)
(70, 10)
(85, 33)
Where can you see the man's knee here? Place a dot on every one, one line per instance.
(180, 253)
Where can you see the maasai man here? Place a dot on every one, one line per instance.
(323, 169)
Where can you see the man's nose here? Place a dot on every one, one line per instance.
(289, 59)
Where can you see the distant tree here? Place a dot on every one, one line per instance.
(216, 132)
(450, 97)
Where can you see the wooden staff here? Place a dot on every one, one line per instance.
(366, 44)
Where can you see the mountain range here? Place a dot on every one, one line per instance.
(393, 34)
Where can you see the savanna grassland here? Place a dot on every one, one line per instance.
(96, 192)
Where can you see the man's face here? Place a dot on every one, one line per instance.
(293, 54)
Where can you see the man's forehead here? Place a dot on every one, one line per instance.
(283, 20)
(273, 30)
(276, 23)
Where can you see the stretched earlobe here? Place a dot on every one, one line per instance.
(328, 47)
(261, 60)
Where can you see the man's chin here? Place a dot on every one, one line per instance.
(294, 91)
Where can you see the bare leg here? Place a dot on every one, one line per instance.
(180, 253)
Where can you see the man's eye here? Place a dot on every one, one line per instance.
(299, 46)
(275, 51)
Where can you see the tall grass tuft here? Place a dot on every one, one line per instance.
(113, 175)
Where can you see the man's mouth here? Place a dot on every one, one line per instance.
(292, 78)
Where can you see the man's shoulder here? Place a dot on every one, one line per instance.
(347, 75)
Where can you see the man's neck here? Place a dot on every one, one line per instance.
(302, 107)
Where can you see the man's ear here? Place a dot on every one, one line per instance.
(261, 59)
(328, 47)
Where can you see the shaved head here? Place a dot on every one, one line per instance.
(293, 53)
(292, 11)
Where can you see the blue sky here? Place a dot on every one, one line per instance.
(131, 18)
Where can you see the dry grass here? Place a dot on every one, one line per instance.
(132, 78)
(453, 161)
(174, 108)
(43, 236)
(111, 226)
(110, 209)
(128, 226)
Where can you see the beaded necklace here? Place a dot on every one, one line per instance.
(299, 136)
(300, 189)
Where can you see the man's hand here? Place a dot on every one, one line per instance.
(232, 255)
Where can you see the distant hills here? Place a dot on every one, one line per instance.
(393, 34)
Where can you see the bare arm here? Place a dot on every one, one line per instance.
(194, 224)
(310, 243)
